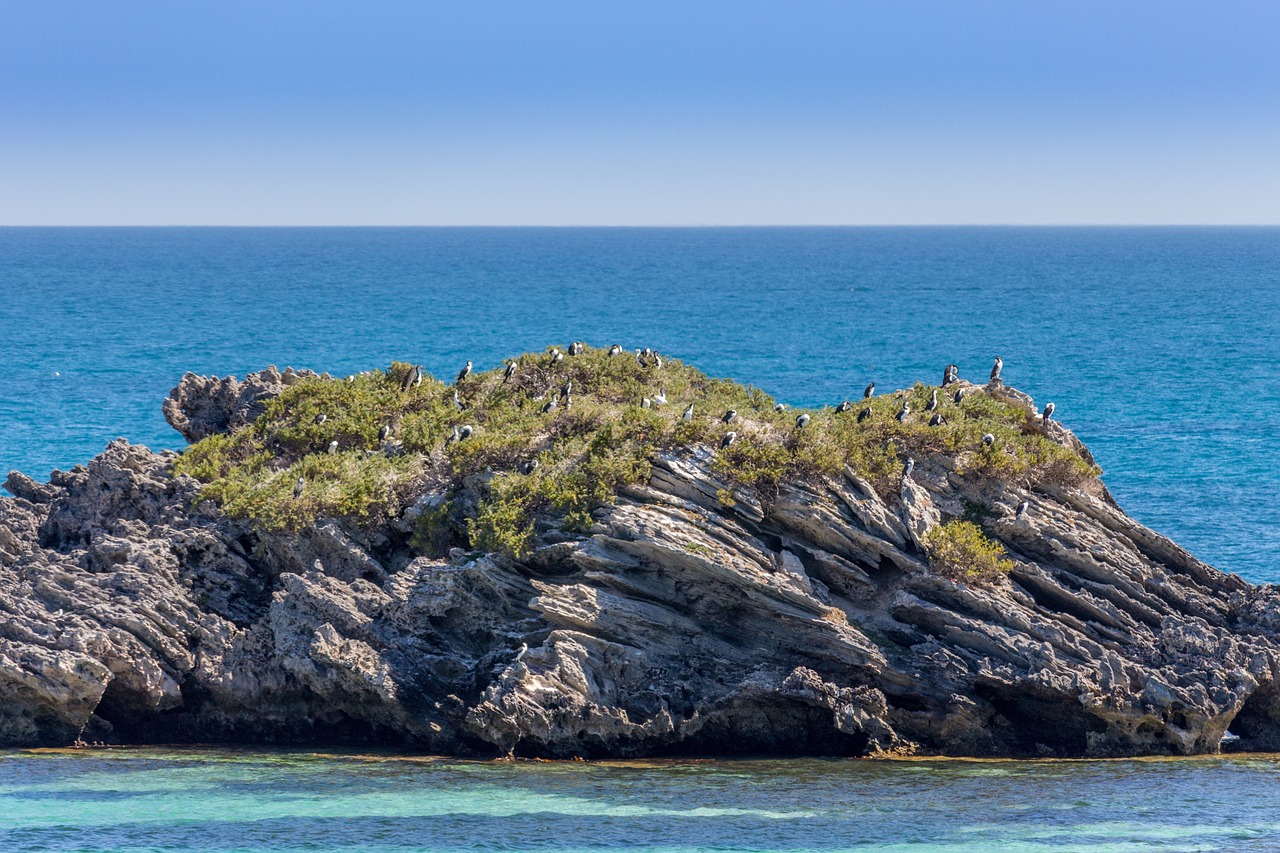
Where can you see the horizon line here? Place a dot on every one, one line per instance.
(679, 226)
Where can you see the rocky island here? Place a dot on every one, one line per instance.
(594, 553)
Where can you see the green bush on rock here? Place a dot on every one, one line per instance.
(961, 551)
(531, 463)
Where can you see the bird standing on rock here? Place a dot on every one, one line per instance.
(869, 391)
(996, 368)
(950, 374)
(728, 416)
(903, 412)
(1048, 412)
(729, 438)
(464, 372)
(1022, 510)
(908, 468)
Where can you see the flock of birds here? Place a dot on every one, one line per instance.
(649, 358)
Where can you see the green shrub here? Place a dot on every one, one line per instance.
(961, 551)
(584, 452)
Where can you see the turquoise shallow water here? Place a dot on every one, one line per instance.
(154, 800)
(1159, 345)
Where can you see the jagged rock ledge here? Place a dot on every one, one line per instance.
(808, 623)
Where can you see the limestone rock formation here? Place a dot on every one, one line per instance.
(808, 623)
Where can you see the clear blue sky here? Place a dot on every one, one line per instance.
(653, 112)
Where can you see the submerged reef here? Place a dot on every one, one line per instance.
(595, 553)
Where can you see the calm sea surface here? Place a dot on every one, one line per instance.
(151, 800)
(1159, 347)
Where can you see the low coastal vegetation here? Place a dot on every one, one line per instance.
(959, 550)
(557, 436)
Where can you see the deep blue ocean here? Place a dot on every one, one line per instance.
(1160, 346)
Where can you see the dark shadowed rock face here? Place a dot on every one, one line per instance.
(810, 624)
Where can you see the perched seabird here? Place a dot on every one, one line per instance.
(869, 391)
(297, 488)
(457, 401)
(937, 419)
(844, 406)
(413, 379)
(529, 466)
(728, 416)
(988, 439)
(568, 401)
(556, 355)
(950, 374)
(567, 388)
(465, 431)
(550, 406)
(646, 403)
(996, 368)
(933, 401)
(908, 468)
(640, 359)
(1022, 510)
(524, 649)
(780, 407)
(320, 418)
(661, 398)
(616, 349)
(864, 414)
(903, 412)
(802, 421)
(333, 447)
(384, 432)
(464, 372)
(729, 438)
(575, 348)
(959, 396)
(687, 417)
(657, 361)
(511, 369)
(456, 437)
(1048, 412)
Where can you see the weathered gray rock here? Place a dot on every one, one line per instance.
(809, 623)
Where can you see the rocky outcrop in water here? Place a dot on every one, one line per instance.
(807, 623)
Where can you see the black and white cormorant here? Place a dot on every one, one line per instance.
(550, 406)
(802, 421)
(333, 447)
(844, 406)
(903, 412)
(869, 391)
(1048, 412)
(511, 369)
(937, 419)
(779, 407)
(959, 397)
(687, 417)
(320, 418)
(457, 401)
(864, 414)
(657, 361)
(575, 348)
(384, 432)
(646, 403)
(728, 416)
(908, 467)
(464, 372)
(729, 438)
(529, 466)
(950, 374)
(616, 349)
(465, 431)
(567, 388)
(1022, 510)
(556, 355)
(933, 401)
(660, 399)
(988, 439)
(298, 487)
(996, 368)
